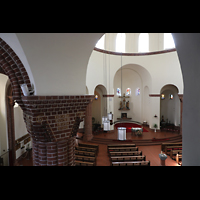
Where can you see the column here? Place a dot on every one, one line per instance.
(88, 123)
(181, 111)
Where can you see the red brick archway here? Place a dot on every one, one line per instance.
(52, 121)
(11, 65)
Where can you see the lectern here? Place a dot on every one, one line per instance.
(121, 133)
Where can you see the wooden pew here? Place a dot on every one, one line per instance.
(169, 148)
(86, 149)
(85, 153)
(121, 145)
(83, 163)
(86, 159)
(89, 145)
(131, 163)
(163, 145)
(125, 153)
(127, 158)
(178, 158)
(122, 149)
(173, 153)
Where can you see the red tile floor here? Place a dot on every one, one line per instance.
(151, 152)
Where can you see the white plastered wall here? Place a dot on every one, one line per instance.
(156, 71)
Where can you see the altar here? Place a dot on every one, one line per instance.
(124, 117)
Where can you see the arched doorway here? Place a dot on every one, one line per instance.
(12, 67)
(99, 105)
(169, 106)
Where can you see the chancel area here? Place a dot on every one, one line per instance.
(99, 99)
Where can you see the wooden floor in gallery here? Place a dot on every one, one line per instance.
(150, 150)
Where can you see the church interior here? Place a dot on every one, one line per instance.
(99, 99)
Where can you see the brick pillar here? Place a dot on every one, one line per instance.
(52, 122)
(88, 123)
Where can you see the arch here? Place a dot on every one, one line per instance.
(101, 43)
(102, 88)
(170, 107)
(99, 106)
(11, 65)
(169, 86)
(10, 125)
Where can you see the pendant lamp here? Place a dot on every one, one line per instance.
(121, 130)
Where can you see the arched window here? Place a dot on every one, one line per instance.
(168, 41)
(118, 92)
(143, 42)
(120, 42)
(100, 43)
(128, 92)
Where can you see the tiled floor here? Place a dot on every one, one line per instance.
(151, 152)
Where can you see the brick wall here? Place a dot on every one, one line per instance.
(50, 122)
(11, 66)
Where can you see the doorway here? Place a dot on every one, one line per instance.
(169, 106)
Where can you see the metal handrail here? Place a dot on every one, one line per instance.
(128, 121)
(5, 153)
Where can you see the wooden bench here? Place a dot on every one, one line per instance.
(163, 145)
(122, 149)
(85, 158)
(121, 145)
(178, 158)
(83, 163)
(127, 158)
(125, 153)
(86, 149)
(85, 153)
(89, 145)
(131, 163)
(170, 148)
(173, 153)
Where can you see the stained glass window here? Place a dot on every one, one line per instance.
(118, 92)
(128, 91)
(137, 91)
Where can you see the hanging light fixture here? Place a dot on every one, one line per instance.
(25, 89)
(121, 130)
(105, 121)
(110, 115)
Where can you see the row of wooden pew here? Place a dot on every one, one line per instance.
(126, 155)
(85, 154)
(174, 150)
